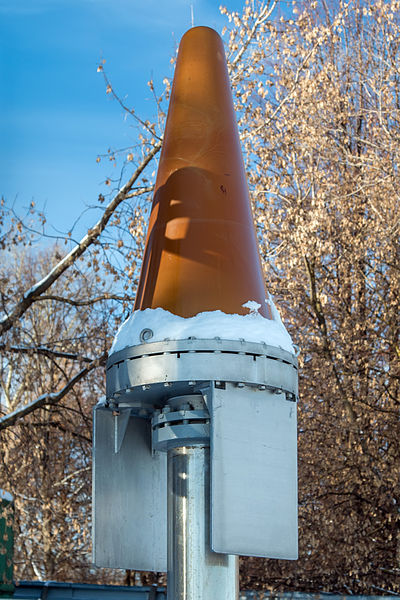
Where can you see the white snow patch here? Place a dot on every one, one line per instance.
(156, 325)
(6, 495)
(253, 307)
(274, 311)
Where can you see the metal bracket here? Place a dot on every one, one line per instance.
(253, 473)
(121, 419)
(129, 495)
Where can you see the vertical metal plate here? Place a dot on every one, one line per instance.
(129, 497)
(253, 473)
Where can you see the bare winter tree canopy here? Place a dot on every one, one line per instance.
(317, 92)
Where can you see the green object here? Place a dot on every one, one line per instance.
(6, 544)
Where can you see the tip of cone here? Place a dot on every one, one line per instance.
(200, 30)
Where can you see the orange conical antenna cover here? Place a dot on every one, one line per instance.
(201, 250)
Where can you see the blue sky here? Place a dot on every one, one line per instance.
(55, 115)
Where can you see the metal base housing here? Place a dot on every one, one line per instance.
(243, 399)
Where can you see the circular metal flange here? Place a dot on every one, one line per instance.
(148, 374)
(184, 421)
(181, 428)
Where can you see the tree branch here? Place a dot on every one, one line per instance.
(45, 351)
(110, 90)
(41, 286)
(265, 13)
(52, 398)
(87, 302)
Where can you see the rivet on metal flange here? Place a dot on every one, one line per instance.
(146, 335)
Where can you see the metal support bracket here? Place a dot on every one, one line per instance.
(253, 472)
(121, 419)
(129, 496)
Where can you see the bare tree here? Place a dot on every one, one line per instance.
(320, 126)
(317, 93)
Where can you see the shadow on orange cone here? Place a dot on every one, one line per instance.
(201, 250)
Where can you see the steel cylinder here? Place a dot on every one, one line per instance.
(194, 571)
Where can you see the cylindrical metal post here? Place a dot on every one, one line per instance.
(194, 571)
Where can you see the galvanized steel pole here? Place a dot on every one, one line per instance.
(194, 571)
